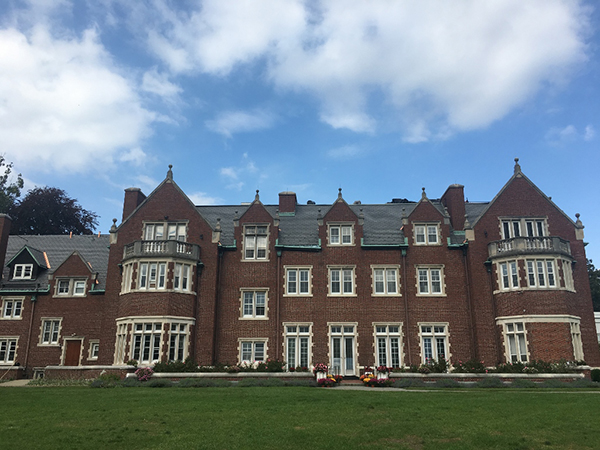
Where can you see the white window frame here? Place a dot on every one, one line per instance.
(178, 341)
(182, 279)
(162, 231)
(427, 234)
(508, 275)
(340, 234)
(8, 349)
(70, 287)
(388, 344)
(576, 339)
(148, 348)
(254, 304)
(126, 278)
(50, 330)
(515, 342)
(428, 278)
(298, 281)
(23, 272)
(431, 335)
(382, 277)
(94, 349)
(567, 270)
(152, 275)
(298, 344)
(12, 308)
(513, 227)
(541, 273)
(255, 348)
(342, 281)
(256, 242)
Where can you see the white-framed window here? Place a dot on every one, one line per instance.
(567, 269)
(178, 341)
(50, 331)
(253, 350)
(515, 341)
(427, 234)
(94, 349)
(576, 339)
(152, 275)
(181, 277)
(8, 349)
(158, 231)
(523, 227)
(147, 339)
(298, 280)
(430, 280)
(70, 287)
(126, 278)
(121, 343)
(12, 308)
(434, 341)
(386, 280)
(388, 339)
(254, 304)
(256, 238)
(23, 272)
(297, 345)
(341, 234)
(341, 281)
(509, 275)
(541, 273)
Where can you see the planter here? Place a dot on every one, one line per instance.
(320, 375)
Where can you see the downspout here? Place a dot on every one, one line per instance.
(216, 304)
(407, 333)
(474, 347)
(33, 302)
(278, 325)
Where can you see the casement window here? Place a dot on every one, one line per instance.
(341, 281)
(567, 269)
(430, 280)
(12, 308)
(255, 242)
(121, 343)
(541, 273)
(434, 341)
(254, 304)
(522, 227)
(50, 331)
(8, 350)
(298, 280)
(152, 275)
(147, 338)
(94, 350)
(385, 280)
(23, 272)
(165, 230)
(253, 351)
(340, 234)
(387, 344)
(509, 275)
(427, 234)
(576, 339)
(181, 277)
(516, 344)
(297, 345)
(70, 287)
(177, 341)
(126, 278)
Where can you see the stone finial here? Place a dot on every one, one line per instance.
(218, 227)
(403, 213)
(319, 213)
(579, 223)
(339, 193)
(170, 172)
(423, 194)
(467, 224)
(517, 166)
(113, 228)
(257, 197)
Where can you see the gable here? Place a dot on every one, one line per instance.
(74, 265)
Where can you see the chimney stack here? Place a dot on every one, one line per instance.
(287, 203)
(454, 200)
(133, 198)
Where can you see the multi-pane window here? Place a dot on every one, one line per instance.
(23, 271)
(50, 331)
(8, 350)
(181, 277)
(177, 341)
(147, 341)
(297, 345)
(426, 234)
(126, 278)
(509, 275)
(69, 287)
(255, 241)
(254, 304)
(576, 338)
(12, 308)
(430, 280)
(515, 342)
(298, 280)
(121, 343)
(341, 234)
(165, 230)
(341, 281)
(252, 351)
(567, 269)
(94, 349)
(513, 228)
(152, 275)
(541, 273)
(385, 281)
(434, 342)
(387, 342)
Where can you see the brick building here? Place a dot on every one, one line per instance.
(349, 285)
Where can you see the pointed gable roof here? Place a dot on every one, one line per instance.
(36, 255)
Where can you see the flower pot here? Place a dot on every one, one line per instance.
(383, 376)
(320, 375)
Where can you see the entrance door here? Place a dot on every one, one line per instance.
(343, 350)
(72, 353)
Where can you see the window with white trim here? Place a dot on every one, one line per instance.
(523, 227)
(387, 343)
(152, 275)
(177, 341)
(341, 281)
(126, 278)
(516, 344)
(181, 277)
(297, 345)
(567, 269)
(256, 239)
(50, 331)
(385, 280)
(298, 280)
(509, 275)
(340, 234)
(70, 287)
(8, 350)
(253, 351)
(254, 304)
(147, 339)
(576, 339)
(23, 272)
(159, 231)
(94, 350)
(427, 234)
(434, 342)
(430, 280)
(541, 273)
(121, 343)
(12, 308)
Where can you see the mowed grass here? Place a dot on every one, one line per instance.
(296, 418)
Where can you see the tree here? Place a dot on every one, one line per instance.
(49, 210)
(594, 275)
(9, 190)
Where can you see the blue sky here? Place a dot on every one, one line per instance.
(378, 97)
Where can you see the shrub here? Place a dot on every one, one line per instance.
(144, 374)
(159, 383)
(433, 366)
(471, 366)
(584, 383)
(447, 383)
(189, 365)
(490, 383)
(595, 375)
(131, 382)
(258, 382)
(408, 383)
(523, 383)
(555, 384)
(202, 382)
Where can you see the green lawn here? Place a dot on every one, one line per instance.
(296, 418)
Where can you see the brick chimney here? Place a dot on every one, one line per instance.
(454, 200)
(5, 223)
(133, 198)
(287, 203)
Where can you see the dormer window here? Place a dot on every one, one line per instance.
(427, 234)
(255, 241)
(340, 234)
(23, 272)
(69, 287)
(165, 230)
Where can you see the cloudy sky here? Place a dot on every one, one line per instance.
(378, 97)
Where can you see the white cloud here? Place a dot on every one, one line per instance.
(202, 198)
(589, 133)
(232, 122)
(159, 84)
(135, 155)
(235, 175)
(345, 152)
(569, 134)
(63, 103)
